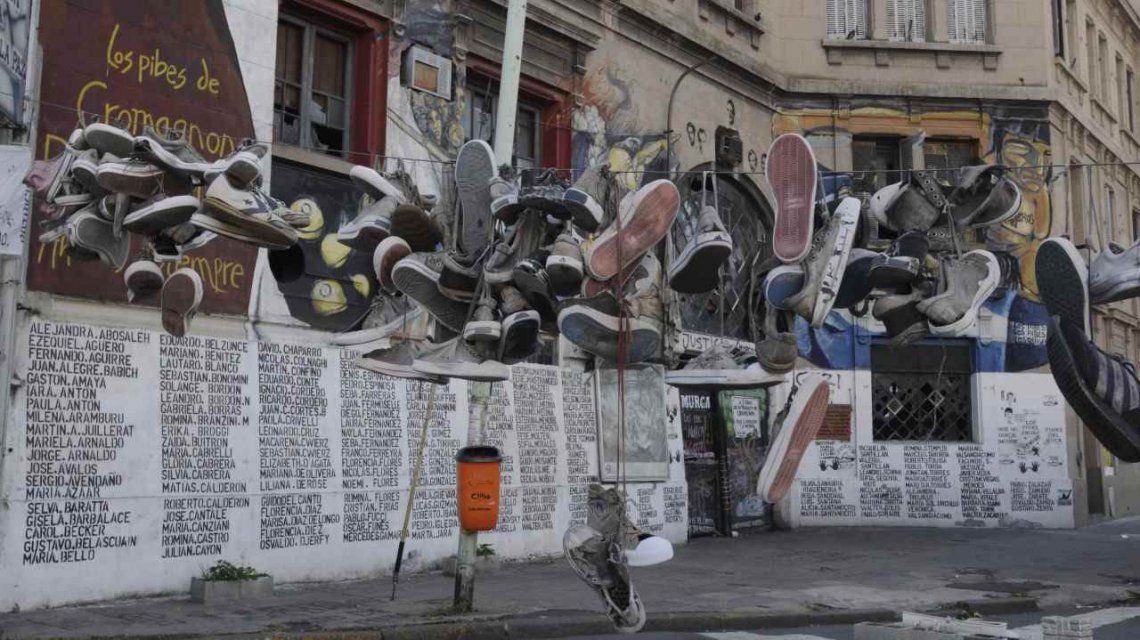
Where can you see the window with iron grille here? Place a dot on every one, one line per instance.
(906, 20)
(922, 393)
(847, 19)
(966, 21)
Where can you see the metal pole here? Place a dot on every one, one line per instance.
(509, 82)
(412, 491)
(464, 598)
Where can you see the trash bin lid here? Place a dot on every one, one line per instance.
(481, 453)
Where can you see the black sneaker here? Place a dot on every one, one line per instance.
(1102, 389)
(460, 276)
(532, 281)
(899, 267)
(417, 276)
(519, 336)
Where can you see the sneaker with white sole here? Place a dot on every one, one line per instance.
(173, 153)
(390, 251)
(1063, 279)
(564, 264)
(983, 197)
(596, 324)
(88, 231)
(781, 284)
(798, 427)
(831, 278)
(135, 178)
(519, 336)
(457, 359)
(778, 350)
(245, 214)
(181, 295)
(106, 138)
(374, 185)
(484, 325)
(396, 361)
(969, 283)
(697, 268)
(583, 200)
(524, 239)
(644, 220)
(720, 367)
(243, 167)
(161, 213)
(144, 280)
(474, 171)
(417, 276)
(369, 228)
(1114, 274)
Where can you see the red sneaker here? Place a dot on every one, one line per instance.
(791, 171)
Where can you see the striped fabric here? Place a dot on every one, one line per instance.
(1116, 383)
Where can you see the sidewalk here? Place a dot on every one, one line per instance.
(784, 578)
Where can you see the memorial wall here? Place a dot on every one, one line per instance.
(1014, 472)
(135, 460)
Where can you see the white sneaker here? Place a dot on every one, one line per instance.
(1115, 274)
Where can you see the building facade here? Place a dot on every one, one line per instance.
(256, 440)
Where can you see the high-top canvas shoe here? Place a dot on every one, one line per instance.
(791, 170)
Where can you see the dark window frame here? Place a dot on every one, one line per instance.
(307, 138)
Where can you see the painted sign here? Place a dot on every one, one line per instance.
(162, 63)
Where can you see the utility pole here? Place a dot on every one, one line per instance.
(504, 147)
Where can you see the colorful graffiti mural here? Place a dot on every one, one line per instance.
(608, 130)
(1015, 325)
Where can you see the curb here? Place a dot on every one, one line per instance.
(989, 606)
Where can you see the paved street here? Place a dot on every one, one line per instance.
(806, 573)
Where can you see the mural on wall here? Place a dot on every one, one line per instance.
(132, 67)
(608, 130)
(1015, 324)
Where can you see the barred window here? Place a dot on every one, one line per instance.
(966, 21)
(847, 19)
(922, 393)
(906, 20)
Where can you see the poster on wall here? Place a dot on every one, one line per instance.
(642, 454)
(15, 200)
(15, 28)
(161, 63)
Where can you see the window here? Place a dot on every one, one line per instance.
(922, 393)
(847, 19)
(1059, 28)
(479, 122)
(1090, 61)
(310, 95)
(1102, 69)
(1109, 214)
(1078, 197)
(949, 155)
(1135, 225)
(1130, 98)
(966, 21)
(876, 161)
(906, 20)
(1071, 26)
(1121, 94)
(743, 6)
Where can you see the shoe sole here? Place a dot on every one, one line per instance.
(143, 286)
(519, 336)
(271, 234)
(364, 239)
(373, 184)
(164, 214)
(180, 298)
(585, 212)
(210, 223)
(697, 269)
(727, 379)
(159, 155)
(482, 331)
(109, 139)
(486, 371)
(1062, 282)
(474, 170)
(654, 212)
(1119, 437)
(783, 460)
(422, 285)
(985, 289)
(98, 236)
(415, 226)
(565, 274)
(832, 278)
(396, 370)
(364, 336)
(136, 185)
(537, 292)
(597, 333)
(243, 169)
(791, 170)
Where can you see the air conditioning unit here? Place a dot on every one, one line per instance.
(427, 71)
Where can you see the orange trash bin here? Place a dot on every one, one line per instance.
(478, 487)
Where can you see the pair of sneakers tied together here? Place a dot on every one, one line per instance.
(110, 184)
(1102, 387)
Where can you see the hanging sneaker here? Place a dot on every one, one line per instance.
(519, 340)
(583, 200)
(181, 295)
(846, 222)
(417, 276)
(884, 200)
(86, 230)
(589, 555)
(856, 285)
(484, 325)
(836, 240)
(791, 170)
(84, 172)
(644, 220)
(420, 229)
(135, 178)
(719, 367)
(457, 359)
(106, 138)
(969, 283)
(1114, 275)
(697, 268)
(505, 200)
(160, 213)
(390, 251)
(173, 152)
(543, 191)
(529, 277)
(1102, 389)
(798, 424)
(396, 361)
(144, 280)
(369, 228)
(460, 276)
(917, 206)
(900, 266)
(1063, 281)
(388, 316)
(564, 265)
(778, 351)
(474, 171)
(899, 313)
(983, 197)
(243, 166)
(594, 325)
(248, 214)
(782, 283)
(524, 239)
(635, 279)
(374, 185)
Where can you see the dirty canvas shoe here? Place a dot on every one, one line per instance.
(474, 170)
(173, 153)
(583, 200)
(782, 283)
(524, 239)
(1114, 274)
(594, 324)
(720, 367)
(791, 170)
(245, 214)
(530, 278)
(1102, 389)
(644, 219)
(161, 213)
(144, 280)
(900, 315)
(388, 316)
(371, 226)
(983, 197)
(417, 276)
(778, 351)
(846, 219)
(797, 429)
(900, 266)
(460, 276)
(374, 185)
(1063, 280)
(457, 359)
(106, 138)
(697, 268)
(243, 166)
(856, 285)
(969, 282)
(390, 251)
(135, 178)
(396, 360)
(564, 264)
(484, 325)
(88, 231)
(589, 554)
(181, 295)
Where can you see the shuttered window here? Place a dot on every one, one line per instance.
(847, 19)
(906, 20)
(966, 21)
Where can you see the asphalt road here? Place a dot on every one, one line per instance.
(1109, 624)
